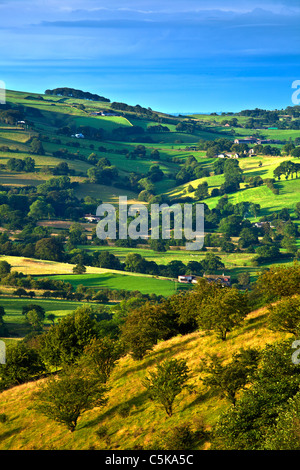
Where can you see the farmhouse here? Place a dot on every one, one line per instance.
(222, 279)
(92, 218)
(263, 224)
(108, 113)
(103, 113)
(232, 155)
(252, 140)
(228, 155)
(187, 279)
(246, 140)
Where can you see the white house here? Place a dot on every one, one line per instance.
(187, 279)
(92, 218)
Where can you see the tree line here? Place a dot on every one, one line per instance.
(78, 94)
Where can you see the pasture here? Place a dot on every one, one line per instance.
(15, 320)
(128, 281)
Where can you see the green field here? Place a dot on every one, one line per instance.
(15, 321)
(289, 196)
(143, 284)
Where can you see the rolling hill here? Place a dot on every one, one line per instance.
(25, 429)
(51, 180)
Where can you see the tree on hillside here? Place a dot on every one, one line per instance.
(20, 292)
(296, 152)
(253, 418)
(100, 357)
(34, 319)
(187, 305)
(36, 147)
(285, 315)
(5, 268)
(77, 234)
(167, 382)
(65, 341)
(248, 237)
(286, 168)
(227, 379)
(278, 282)
(22, 363)
(34, 315)
(233, 176)
(79, 269)
(49, 249)
(29, 164)
(145, 325)
(267, 253)
(222, 310)
(211, 263)
(105, 259)
(285, 434)
(66, 397)
(134, 262)
(140, 332)
(40, 209)
(231, 225)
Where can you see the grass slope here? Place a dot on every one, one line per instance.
(27, 430)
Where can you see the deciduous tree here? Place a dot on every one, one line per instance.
(167, 382)
(66, 397)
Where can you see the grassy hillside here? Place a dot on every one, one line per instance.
(25, 429)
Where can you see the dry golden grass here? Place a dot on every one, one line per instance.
(30, 266)
(25, 429)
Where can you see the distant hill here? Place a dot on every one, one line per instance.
(79, 94)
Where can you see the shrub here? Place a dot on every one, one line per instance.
(102, 431)
(3, 418)
(124, 410)
(181, 437)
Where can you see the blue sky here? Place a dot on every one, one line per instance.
(173, 56)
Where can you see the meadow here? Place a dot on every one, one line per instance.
(15, 322)
(132, 282)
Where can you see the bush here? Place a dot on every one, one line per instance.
(182, 437)
(102, 431)
(3, 418)
(124, 410)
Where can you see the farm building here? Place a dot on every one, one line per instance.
(187, 279)
(224, 280)
(246, 140)
(228, 155)
(78, 136)
(92, 218)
